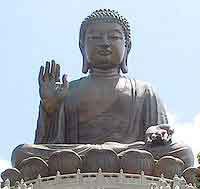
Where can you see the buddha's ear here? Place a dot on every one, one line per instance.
(124, 66)
(85, 65)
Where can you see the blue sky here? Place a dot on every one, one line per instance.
(165, 52)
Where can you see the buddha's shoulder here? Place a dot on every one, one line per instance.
(143, 85)
(140, 86)
(76, 84)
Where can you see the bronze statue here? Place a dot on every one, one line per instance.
(103, 117)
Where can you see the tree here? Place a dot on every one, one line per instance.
(198, 157)
(198, 178)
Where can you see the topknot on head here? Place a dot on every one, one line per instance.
(109, 16)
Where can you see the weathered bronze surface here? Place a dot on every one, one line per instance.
(104, 114)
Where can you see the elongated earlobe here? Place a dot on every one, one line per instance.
(85, 66)
(124, 66)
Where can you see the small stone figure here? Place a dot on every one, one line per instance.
(106, 119)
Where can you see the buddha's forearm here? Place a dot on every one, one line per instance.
(51, 105)
(47, 125)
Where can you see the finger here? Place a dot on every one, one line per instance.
(159, 134)
(47, 67)
(165, 136)
(148, 140)
(57, 74)
(40, 77)
(53, 69)
(171, 131)
(64, 80)
(154, 136)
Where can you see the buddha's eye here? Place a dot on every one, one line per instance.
(115, 37)
(94, 37)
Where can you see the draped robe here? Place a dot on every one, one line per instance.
(111, 112)
(98, 110)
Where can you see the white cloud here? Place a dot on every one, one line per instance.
(4, 164)
(197, 120)
(187, 132)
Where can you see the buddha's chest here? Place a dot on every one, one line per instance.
(105, 97)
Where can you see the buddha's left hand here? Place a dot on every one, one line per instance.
(159, 134)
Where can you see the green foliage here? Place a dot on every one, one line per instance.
(198, 178)
(198, 157)
(198, 182)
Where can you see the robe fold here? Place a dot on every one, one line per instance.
(114, 114)
(142, 108)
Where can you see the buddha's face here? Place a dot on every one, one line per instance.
(104, 45)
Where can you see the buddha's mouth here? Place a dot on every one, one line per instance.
(104, 52)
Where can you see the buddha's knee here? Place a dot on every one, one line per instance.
(19, 154)
(186, 155)
(174, 149)
(182, 152)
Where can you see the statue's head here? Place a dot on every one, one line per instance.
(105, 41)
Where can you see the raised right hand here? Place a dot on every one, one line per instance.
(52, 92)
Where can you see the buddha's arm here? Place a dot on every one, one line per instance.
(153, 109)
(52, 94)
(48, 125)
(156, 125)
(51, 124)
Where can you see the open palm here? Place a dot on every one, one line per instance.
(51, 90)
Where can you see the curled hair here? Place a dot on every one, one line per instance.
(108, 16)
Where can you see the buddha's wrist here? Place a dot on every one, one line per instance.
(50, 105)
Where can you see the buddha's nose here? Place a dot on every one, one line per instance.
(105, 42)
(104, 45)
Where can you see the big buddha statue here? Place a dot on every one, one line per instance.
(103, 120)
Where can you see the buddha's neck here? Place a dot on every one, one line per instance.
(110, 73)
